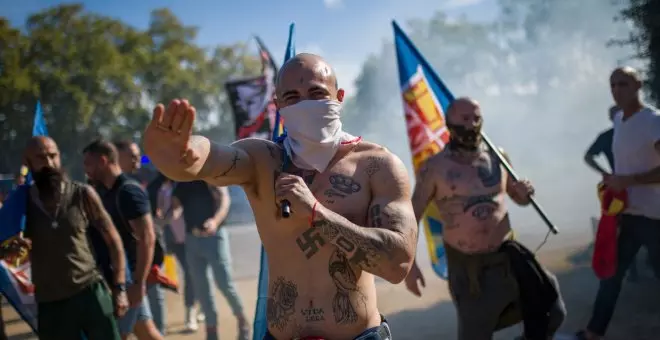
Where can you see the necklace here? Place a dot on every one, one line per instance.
(53, 217)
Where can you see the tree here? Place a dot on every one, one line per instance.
(95, 75)
(645, 16)
(17, 87)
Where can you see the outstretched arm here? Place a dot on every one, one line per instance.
(226, 164)
(386, 246)
(184, 157)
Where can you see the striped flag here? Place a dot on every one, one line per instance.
(15, 275)
(425, 101)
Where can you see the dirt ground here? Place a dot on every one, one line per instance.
(432, 316)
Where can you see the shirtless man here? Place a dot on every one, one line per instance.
(469, 186)
(352, 217)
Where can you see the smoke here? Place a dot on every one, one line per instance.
(540, 72)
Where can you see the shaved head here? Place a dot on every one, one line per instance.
(625, 84)
(42, 151)
(627, 71)
(306, 77)
(461, 107)
(38, 142)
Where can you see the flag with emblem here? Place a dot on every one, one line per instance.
(260, 319)
(251, 99)
(15, 276)
(425, 101)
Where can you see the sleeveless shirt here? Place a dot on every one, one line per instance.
(61, 257)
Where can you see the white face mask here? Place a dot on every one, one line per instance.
(314, 132)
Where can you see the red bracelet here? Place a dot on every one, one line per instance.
(311, 218)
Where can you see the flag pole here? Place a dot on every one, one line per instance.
(485, 138)
(260, 319)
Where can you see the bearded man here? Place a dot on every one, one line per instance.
(64, 271)
(489, 273)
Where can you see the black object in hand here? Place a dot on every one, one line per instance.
(286, 208)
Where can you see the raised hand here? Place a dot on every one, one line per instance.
(167, 139)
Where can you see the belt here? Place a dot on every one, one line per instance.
(381, 332)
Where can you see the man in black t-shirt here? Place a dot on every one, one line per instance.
(205, 208)
(602, 145)
(130, 163)
(128, 206)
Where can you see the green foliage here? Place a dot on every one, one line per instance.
(645, 16)
(97, 76)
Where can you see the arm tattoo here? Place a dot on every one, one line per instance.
(95, 212)
(272, 151)
(281, 303)
(366, 251)
(232, 166)
(376, 221)
(373, 165)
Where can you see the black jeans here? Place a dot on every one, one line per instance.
(635, 231)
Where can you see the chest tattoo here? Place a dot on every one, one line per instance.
(342, 186)
(489, 171)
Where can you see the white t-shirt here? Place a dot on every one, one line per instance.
(634, 152)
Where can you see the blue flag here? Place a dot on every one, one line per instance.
(260, 318)
(39, 128)
(425, 101)
(12, 214)
(14, 282)
(279, 130)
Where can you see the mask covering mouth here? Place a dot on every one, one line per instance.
(48, 180)
(314, 132)
(462, 138)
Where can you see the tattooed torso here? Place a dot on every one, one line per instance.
(470, 197)
(314, 289)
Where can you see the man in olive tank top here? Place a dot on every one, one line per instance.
(72, 298)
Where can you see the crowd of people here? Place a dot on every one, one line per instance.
(353, 216)
(97, 246)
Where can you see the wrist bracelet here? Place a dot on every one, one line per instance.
(311, 218)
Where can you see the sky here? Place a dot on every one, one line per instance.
(345, 32)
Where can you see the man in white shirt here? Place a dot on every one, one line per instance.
(636, 148)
